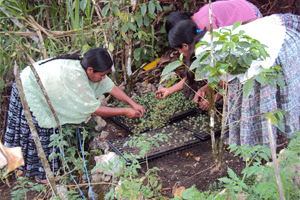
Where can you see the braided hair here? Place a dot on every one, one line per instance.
(97, 58)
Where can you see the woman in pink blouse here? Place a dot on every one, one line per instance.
(225, 13)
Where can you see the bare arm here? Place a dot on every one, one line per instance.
(104, 111)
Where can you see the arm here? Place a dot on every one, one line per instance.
(110, 112)
(167, 91)
(119, 94)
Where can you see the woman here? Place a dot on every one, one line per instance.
(225, 13)
(280, 32)
(73, 84)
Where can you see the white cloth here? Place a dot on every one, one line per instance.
(267, 31)
(72, 95)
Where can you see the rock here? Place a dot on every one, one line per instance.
(96, 177)
(110, 157)
(83, 178)
(100, 123)
(61, 189)
(104, 134)
(106, 178)
(103, 100)
(97, 143)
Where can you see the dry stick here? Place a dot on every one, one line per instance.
(37, 26)
(43, 44)
(275, 161)
(34, 133)
(17, 23)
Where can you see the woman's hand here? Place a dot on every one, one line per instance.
(164, 92)
(139, 108)
(131, 113)
(200, 98)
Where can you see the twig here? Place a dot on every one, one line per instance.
(34, 133)
(275, 161)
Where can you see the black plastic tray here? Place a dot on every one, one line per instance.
(177, 117)
(203, 135)
(117, 144)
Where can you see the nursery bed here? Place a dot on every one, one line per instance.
(199, 125)
(177, 139)
(158, 112)
(126, 124)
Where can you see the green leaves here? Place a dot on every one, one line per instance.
(236, 24)
(248, 87)
(170, 67)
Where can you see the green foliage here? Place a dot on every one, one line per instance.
(277, 118)
(137, 26)
(24, 186)
(131, 185)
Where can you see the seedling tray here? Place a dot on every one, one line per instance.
(178, 139)
(158, 112)
(199, 125)
(123, 122)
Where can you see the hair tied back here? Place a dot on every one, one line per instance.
(198, 31)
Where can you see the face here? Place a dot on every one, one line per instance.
(96, 76)
(184, 50)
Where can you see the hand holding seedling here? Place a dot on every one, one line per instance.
(139, 108)
(200, 97)
(162, 93)
(131, 113)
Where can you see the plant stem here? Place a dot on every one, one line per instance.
(275, 161)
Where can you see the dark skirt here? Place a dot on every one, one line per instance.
(18, 134)
(246, 122)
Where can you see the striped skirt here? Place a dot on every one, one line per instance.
(18, 134)
(246, 123)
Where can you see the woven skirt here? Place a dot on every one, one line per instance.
(18, 134)
(246, 123)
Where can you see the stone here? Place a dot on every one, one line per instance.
(104, 134)
(111, 157)
(97, 143)
(96, 177)
(83, 178)
(106, 178)
(62, 189)
(101, 123)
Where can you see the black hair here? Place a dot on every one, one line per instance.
(185, 31)
(97, 58)
(175, 17)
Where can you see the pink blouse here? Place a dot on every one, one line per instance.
(225, 13)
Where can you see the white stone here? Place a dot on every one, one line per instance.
(111, 157)
(104, 134)
(101, 123)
